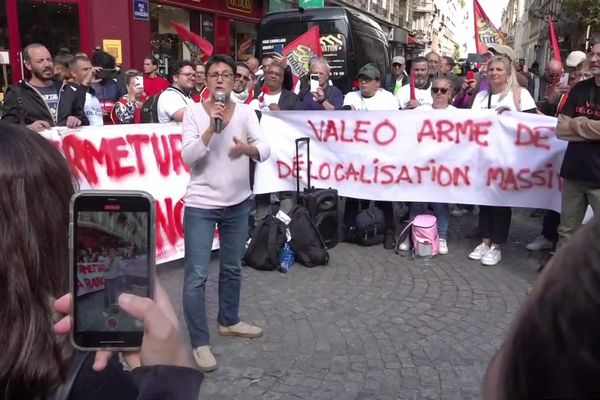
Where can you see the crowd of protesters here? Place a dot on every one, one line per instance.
(74, 90)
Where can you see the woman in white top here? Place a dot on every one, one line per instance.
(504, 94)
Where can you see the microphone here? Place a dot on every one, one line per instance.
(346, 107)
(220, 97)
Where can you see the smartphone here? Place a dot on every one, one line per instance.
(314, 83)
(112, 251)
(139, 83)
(564, 79)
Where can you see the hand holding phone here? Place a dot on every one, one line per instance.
(162, 343)
(111, 252)
(564, 79)
(314, 83)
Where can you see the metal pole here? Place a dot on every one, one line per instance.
(587, 38)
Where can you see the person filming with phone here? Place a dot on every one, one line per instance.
(219, 139)
(38, 360)
(319, 94)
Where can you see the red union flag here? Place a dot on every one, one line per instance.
(200, 48)
(486, 33)
(299, 52)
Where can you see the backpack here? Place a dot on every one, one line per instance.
(424, 236)
(150, 110)
(306, 242)
(266, 244)
(368, 228)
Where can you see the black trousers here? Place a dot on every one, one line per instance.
(352, 206)
(494, 223)
(550, 225)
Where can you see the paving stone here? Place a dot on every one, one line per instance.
(370, 325)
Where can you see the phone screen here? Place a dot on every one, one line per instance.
(112, 253)
(314, 83)
(564, 79)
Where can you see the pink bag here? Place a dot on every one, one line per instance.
(425, 240)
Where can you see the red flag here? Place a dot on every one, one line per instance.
(300, 51)
(486, 33)
(553, 40)
(412, 86)
(200, 48)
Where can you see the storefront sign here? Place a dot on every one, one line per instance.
(141, 10)
(311, 3)
(456, 156)
(114, 48)
(4, 57)
(244, 6)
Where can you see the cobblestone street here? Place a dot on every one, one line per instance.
(371, 324)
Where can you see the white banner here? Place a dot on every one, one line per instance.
(134, 157)
(456, 156)
(90, 277)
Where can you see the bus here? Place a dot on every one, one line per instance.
(349, 39)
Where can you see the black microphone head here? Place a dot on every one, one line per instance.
(346, 107)
(220, 96)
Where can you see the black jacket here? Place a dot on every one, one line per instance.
(389, 82)
(287, 100)
(24, 105)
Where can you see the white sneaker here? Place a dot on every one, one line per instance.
(204, 358)
(405, 246)
(479, 252)
(443, 247)
(540, 243)
(492, 257)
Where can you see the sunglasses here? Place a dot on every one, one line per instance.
(441, 90)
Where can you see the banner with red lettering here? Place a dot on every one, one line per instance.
(485, 31)
(134, 157)
(457, 156)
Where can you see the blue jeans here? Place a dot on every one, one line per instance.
(199, 225)
(441, 212)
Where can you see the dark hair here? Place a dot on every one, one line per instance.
(450, 61)
(63, 59)
(103, 59)
(419, 60)
(34, 199)
(77, 59)
(176, 70)
(152, 59)
(220, 58)
(26, 55)
(242, 64)
(553, 348)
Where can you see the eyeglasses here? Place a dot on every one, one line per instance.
(243, 77)
(225, 75)
(364, 79)
(441, 90)
(397, 65)
(188, 74)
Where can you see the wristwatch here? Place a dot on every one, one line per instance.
(322, 101)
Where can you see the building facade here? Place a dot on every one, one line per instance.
(129, 29)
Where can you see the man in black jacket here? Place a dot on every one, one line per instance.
(41, 102)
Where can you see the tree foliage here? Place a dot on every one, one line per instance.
(582, 12)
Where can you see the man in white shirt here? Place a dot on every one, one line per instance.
(370, 97)
(420, 71)
(173, 102)
(82, 74)
(240, 93)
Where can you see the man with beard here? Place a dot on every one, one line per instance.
(173, 102)
(240, 93)
(41, 102)
(420, 70)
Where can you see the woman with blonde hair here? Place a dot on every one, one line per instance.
(504, 94)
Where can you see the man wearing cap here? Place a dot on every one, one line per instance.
(574, 64)
(398, 78)
(420, 71)
(371, 96)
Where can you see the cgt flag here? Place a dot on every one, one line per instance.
(299, 52)
(486, 33)
(200, 48)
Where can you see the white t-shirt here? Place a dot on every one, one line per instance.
(483, 102)
(382, 100)
(92, 110)
(169, 102)
(423, 96)
(430, 107)
(267, 99)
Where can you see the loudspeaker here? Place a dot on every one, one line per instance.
(322, 206)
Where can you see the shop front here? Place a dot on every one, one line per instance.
(230, 25)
